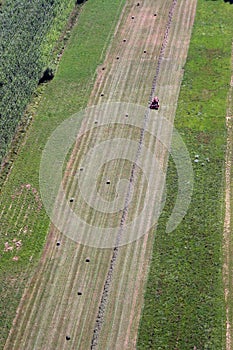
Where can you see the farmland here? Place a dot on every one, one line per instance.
(86, 297)
(185, 289)
(27, 224)
(48, 289)
(29, 32)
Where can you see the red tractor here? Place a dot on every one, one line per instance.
(155, 103)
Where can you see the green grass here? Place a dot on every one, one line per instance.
(22, 218)
(184, 299)
(28, 34)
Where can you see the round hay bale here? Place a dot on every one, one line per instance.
(102, 94)
(124, 40)
(80, 293)
(103, 68)
(118, 58)
(144, 51)
(71, 200)
(58, 243)
(67, 337)
(132, 17)
(87, 260)
(108, 182)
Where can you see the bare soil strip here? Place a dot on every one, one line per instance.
(228, 243)
(64, 296)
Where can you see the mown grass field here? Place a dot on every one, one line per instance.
(184, 303)
(22, 216)
(51, 302)
(184, 299)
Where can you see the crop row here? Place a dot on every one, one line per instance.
(24, 27)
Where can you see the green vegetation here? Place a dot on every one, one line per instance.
(29, 31)
(22, 216)
(184, 300)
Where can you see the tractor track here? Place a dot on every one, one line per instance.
(107, 284)
(187, 21)
(227, 247)
(51, 308)
(30, 311)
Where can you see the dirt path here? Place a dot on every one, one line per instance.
(228, 244)
(52, 307)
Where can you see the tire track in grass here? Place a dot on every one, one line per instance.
(29, 307)
(107, 285)
(116, 81)
(26, 337)
(87, 305)
(190, 13)
(119, 84)
(228, 248)
(135, 294)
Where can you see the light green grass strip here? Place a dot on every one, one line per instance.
(184, 300)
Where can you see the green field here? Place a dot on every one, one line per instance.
(22, 216)
(184, 299)
(28, 35)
